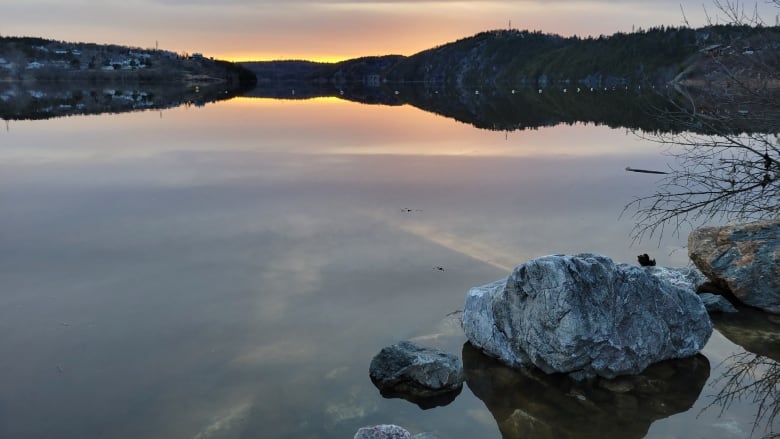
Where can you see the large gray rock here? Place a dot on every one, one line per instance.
(427, 377)
(586, 316)
(745, 258)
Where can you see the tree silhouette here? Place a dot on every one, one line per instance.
(726, 164)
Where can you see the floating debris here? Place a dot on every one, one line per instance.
(645, 171)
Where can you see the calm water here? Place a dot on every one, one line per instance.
(229, 271)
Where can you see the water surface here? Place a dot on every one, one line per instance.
(229, 271)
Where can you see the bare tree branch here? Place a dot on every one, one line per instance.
(726, 165)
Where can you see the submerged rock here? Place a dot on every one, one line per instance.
(427, 377)
(745, 258)
(586, 316)
(526, 403)
(383, 432)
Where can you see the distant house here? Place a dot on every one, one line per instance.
(197, 56)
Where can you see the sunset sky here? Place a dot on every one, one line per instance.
(330, 30)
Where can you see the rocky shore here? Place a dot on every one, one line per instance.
(580, 328)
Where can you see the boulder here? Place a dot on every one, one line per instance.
(716, 303)
(427, 377)
(745, 258)
(383, 432)
(586, 316)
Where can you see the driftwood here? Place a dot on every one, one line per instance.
(645, 171)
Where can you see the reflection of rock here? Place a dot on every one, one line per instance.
(754, 330)
(586, 316)
(383, 432)
(529, 404)
(743, 257)
(716, 303)
(427, 377)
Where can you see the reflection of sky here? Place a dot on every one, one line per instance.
(330, 29)
(164, 276)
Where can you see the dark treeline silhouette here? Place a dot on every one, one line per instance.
(513, 57)
(510, 109)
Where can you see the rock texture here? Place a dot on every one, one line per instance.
(586, 316)
(383, 432)
(745, 258)
(427, 377)
(686, 277)
(716, 303)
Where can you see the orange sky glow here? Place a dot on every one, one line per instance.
(328, 30)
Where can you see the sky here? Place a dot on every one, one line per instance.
(332, 30)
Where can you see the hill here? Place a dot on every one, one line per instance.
(38, 59)
(514, 57)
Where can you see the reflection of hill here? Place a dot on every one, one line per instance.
(507, 110)
(44, 100)
(501, 109)
(528, 403)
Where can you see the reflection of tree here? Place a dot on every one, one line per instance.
(732, 171)
(754, 378)
(730, 176)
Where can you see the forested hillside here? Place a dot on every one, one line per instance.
(652, 56)
(26, 59)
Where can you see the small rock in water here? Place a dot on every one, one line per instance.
(386, 431)
(427, 377)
